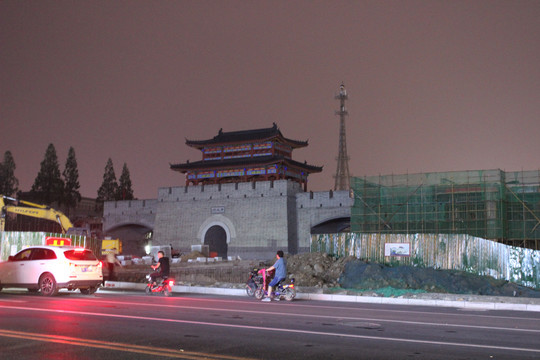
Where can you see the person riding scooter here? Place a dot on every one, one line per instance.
(162, 265)
(281, 273)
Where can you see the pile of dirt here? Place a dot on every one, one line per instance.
(316, 269)
(325, 271)
(191, 256)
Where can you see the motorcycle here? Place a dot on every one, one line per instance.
(281, 291)
(165, 287)
(254, 282)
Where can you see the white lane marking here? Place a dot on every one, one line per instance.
(386, 311)
(274, 313)
(307, 332)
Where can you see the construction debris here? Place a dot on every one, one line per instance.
(324, 271)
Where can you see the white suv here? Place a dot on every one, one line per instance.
(51, 268)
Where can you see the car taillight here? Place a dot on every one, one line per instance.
(171, 282)
(100, 265)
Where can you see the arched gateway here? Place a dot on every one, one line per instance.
(216, 239)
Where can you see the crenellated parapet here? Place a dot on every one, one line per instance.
(229, 191)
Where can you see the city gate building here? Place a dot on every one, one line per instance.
(246, 197)
(246, 156)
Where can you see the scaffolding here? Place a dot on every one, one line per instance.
(491, 204)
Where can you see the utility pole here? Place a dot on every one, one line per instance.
(342, 172)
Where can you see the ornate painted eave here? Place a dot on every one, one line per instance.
(245, 136)
(244, 162)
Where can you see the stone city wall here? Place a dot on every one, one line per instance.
(255, 216)
(258, 218)
(314, 208)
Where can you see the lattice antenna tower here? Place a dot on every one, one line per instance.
(342, 176)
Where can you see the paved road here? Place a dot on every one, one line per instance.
(130, 325)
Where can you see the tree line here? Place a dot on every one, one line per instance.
(52, 186)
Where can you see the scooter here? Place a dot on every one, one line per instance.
(165, 287)
(281, 291)
(254, 282)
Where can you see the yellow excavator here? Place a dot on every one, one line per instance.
(33, 210)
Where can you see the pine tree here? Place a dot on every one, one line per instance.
(9, 184)
(109, 187)
(72, 196)
(125, 191)
(48, 185)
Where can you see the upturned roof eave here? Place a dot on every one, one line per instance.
(246, 136)
(200, 144)
(216, 164)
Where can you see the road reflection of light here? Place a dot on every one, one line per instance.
(58, 352)
(67, 324)
(67, 352)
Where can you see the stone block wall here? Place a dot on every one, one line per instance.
(119, 213)
(314, 208)
(257, 217)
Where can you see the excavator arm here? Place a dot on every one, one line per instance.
(33, 210)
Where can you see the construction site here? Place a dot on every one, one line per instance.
(408, 231)
(490, 204)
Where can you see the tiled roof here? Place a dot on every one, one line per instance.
(238, 137)
(254, 161)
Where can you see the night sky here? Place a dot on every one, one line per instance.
(433, 85)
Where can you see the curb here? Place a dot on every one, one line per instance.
(473, 305)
